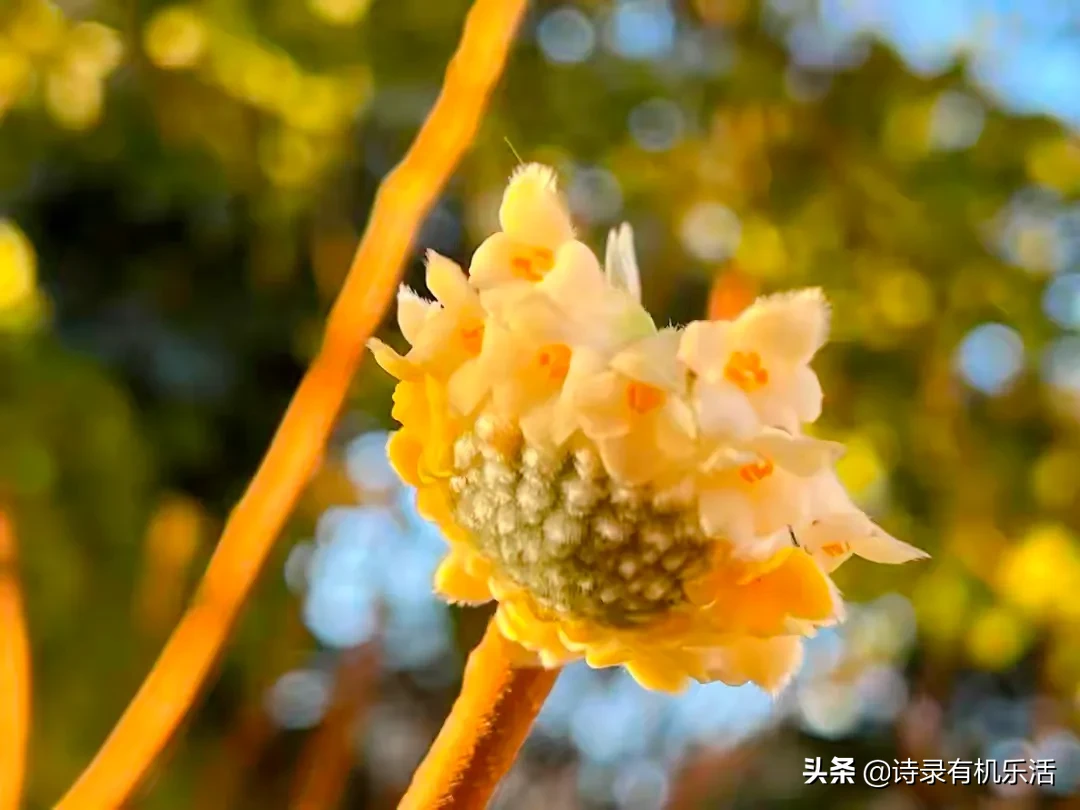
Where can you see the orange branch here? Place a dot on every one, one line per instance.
(14, 674)
(487, 725)
(403, 200)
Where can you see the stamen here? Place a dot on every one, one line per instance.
(531, 263)
(835, 549)
(643, 398)
(744, 369)
(757, 471)
(554, 359)
(472, 337)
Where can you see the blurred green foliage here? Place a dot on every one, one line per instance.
(182, 186)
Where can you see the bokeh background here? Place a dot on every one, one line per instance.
(181, 189)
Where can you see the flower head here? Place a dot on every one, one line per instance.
(629, 495)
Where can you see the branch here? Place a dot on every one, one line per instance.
(14, 673)
(487, 725)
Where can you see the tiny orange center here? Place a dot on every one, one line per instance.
(472, 337)
(757, 471)
(834, 549)
(642, 397)
(554, 361)
(744, 370)
(531, 263)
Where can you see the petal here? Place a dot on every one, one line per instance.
(534, 316)
(829, 539)
(404, 451)
(791, 326)
(532, 209)
(516, 622)
(391, 362)
(705, 347)
(630, 459)
(724, 412)
(433, 504)
(600, 403)
(583, 365)
(805, 394)
(490, 266)
(620, 261)
(654, 673)
(468, 386)
(412, 311)
(796, 589)
(652, 360)
(448, 283)
(610, 654)
(727, 513)
(802, 455)
(829, 494)
(676, 427)
(880, 547)
(438, 346)
(576, 278)
(455, 584)
(536, 424)
(599, 314)
(768, 662)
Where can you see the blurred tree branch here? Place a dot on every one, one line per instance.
(14, 672)
(327, 760)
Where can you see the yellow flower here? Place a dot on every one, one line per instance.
(630, 496)
(836, 529)
(636, 412)
(755, 371)
(757, 489)
(536, 233)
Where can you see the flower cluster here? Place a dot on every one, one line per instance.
(632, 495)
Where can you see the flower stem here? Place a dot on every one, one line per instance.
(403, 200)
(487, 725)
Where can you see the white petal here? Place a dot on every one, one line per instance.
(829, 495)
(600, 402)
(576, 278)
(802, 455)
(468, 386)
(620, 261)
(630, 459)
(792, 325)
(724, 412)
(536, 424)
(448, 283)
(532, 209)
(728, 514)
(490, 265)
(412, 311)
(830, 539)
(705, 347)
(880, 547)
(600, 314)
(652, 360)
(584, 364)
(805, 394)
(390, 361)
